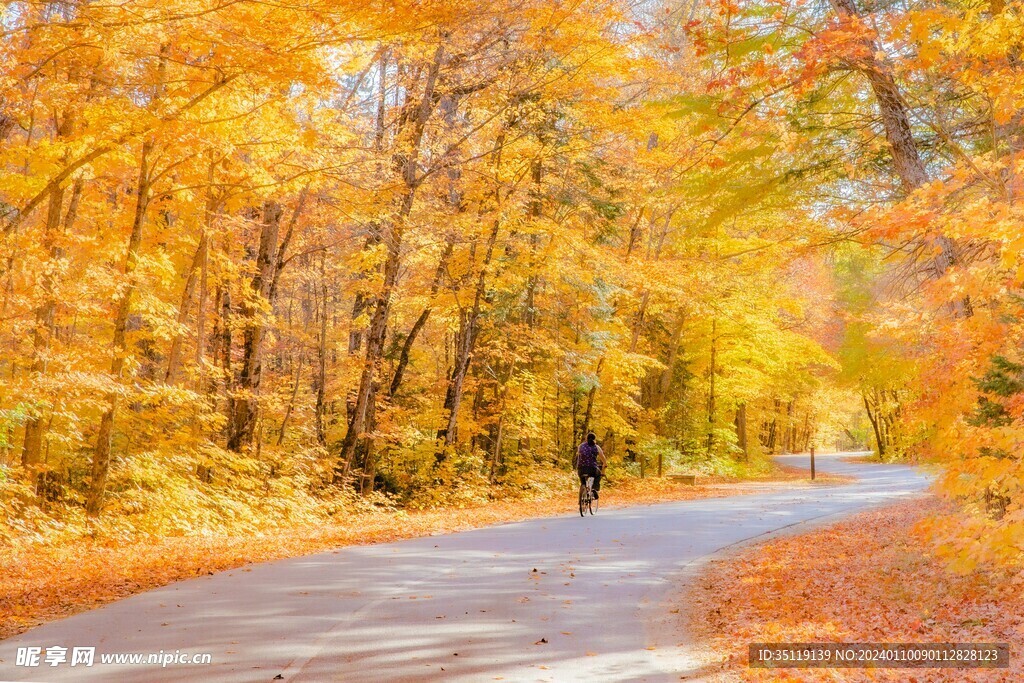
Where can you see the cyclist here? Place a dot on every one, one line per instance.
(590, 461)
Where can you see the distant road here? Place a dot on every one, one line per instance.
(459, 607)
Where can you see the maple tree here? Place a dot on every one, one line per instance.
(907, 122)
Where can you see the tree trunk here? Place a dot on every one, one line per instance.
(741, 430)
(673, 353)
(405, 164)
(224, 338)
(787, 432)
(31, 452)
(321, 357)
(591, 395)
(770, 429)
(874, 424)
(243, 401)
(45, 315)
(906, 158)
(711, 385)
(465, 344)
(403, 358)
(496, 454)
(192, 278)
(469, 321)
(291, 401)
(101, 455)
(530, 316)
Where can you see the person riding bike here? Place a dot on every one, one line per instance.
(590, 461)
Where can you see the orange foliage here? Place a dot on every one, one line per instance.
(864, 580)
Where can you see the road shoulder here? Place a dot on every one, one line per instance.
(868, 578)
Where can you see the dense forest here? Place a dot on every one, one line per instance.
(262, 260)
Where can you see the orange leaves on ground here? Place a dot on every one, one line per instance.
(865, 580)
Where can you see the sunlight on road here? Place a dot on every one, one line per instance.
(577, 596)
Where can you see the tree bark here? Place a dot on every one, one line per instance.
(101, 455)
(496, 453)
(787, 432)
(321, 357)
(45, 315)
(195, 276)
(530, 316)
(661, 388)
(906, 157)
(712, 370)
(403, 358)
(741, 430)
(31, 453)
(405, 163)
(591, 396)
(872, 416)
(465, 344)
(191, 280)
(291, 401)
(243, 401)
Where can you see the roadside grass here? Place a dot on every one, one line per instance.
(868, 579)
(49, 576)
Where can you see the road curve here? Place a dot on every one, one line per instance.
(555, 599)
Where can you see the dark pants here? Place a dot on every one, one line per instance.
(594, 472)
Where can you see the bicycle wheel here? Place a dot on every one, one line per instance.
(583, 500)
(593, 504)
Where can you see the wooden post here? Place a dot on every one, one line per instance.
(812, 463)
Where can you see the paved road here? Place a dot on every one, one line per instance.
(459, 607)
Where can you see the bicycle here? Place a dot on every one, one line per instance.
(588, 501)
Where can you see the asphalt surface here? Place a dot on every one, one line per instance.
(556, 599)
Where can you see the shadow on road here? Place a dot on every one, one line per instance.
(465, 606)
